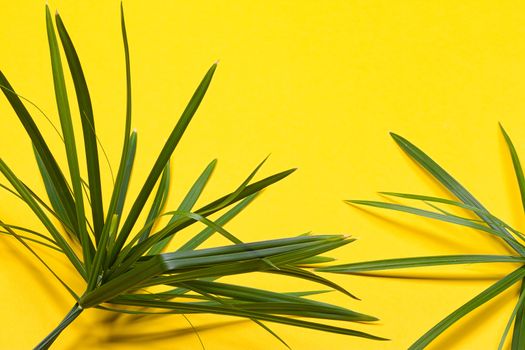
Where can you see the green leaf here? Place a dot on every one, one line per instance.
(130, 255)
(127, 157)
(159, 201)
(69, 140)
(316, 260)
(212, 262)
(454, 187)
(187, 203)
(28, 199)
(424, 261)
(195, 191)
(310, 276)
(231, 304)
(202, 236)
(429, 214)
(123, 180)
(98, 260)
(517, 165)
(235, 194)
(511, 320)
(217, 205)
(53, 170)
(130, 270)
(221, 310)
(518, 335)
(256, 296)
(474, 303)
(52, 193)
(26, 238)
(222, 202)
(163, 158)
(51, 337)
(88, 126)
(32, 232)
(475, 210)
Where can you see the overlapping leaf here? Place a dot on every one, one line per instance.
(120, 258)
(485, 222)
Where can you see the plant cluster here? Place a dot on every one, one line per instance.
(128, 266)
(477, 218)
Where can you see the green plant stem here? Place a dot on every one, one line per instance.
(51, 337)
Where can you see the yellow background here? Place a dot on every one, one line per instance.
(318, 84)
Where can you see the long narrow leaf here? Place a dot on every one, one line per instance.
(474, 303)
(127, 157)
(453, 187)
(202, 236)
(163, 158)
(53, 170)
(187, 203)
(518, 337)
(186, 308)
(214, 207)
(518, 334)
(159, 200)
(51, 191)
(88, 126)
(24, 193)
(429, 214)
(424, 261)
(69, 140)
(511, 321)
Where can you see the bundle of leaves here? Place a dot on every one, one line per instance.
(478, 218)
(123, 262)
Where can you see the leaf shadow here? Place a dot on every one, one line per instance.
(121, 331)
(33, 267)
(427, 235)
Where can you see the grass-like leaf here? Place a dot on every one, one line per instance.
(125, 263)
(478, 218)
(88, 127)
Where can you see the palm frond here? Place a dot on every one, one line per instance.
(124, 262)
(485, 222)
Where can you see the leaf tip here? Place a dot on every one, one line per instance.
(395, 136)
(504, 132)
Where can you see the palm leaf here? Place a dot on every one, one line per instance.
(487, 222)
(124, 263)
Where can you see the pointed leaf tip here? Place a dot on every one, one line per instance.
(396, 137)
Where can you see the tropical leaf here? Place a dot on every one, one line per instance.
(124, 263)
(485, 222)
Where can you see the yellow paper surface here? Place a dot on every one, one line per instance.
(318, 84)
